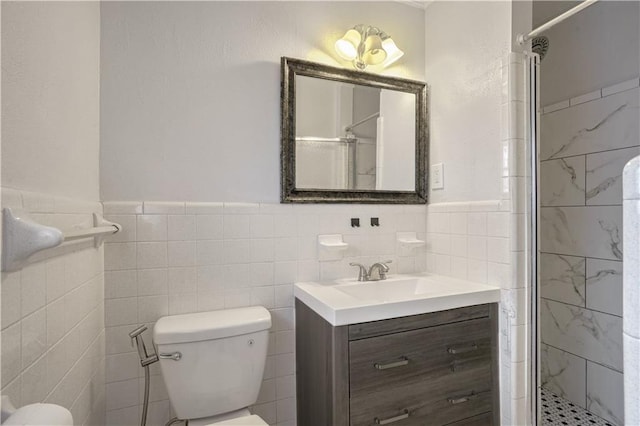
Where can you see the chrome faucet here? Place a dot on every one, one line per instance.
(377, 272)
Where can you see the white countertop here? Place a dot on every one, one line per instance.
(347, 301)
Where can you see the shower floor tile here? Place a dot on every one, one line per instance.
(558, 411)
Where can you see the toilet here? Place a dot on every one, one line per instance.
(34, 414)
(213, 363)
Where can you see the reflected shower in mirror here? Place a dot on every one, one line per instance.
(351, 136)
(341, 130)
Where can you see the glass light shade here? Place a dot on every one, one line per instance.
(393, 53)
(373, 54)
(347, 46)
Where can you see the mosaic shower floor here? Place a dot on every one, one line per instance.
(558, 411)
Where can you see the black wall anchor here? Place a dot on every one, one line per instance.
(355, 222)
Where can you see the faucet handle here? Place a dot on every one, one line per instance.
(385, 265)
(381, 268)
(363, 275)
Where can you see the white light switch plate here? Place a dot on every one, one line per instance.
(437, 176)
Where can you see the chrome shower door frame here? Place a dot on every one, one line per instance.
(533, 131)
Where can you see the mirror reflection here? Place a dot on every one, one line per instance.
(353, 137)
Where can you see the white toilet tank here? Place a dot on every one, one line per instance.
(221, 359)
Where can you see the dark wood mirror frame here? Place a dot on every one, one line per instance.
(289, 193)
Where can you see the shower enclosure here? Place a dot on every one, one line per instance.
(584, 128)
(337, 135)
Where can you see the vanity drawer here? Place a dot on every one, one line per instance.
(425, 354)
(428, 402)
(366, 330)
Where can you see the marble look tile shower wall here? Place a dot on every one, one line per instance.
(585, 143)
(53, 316)
(178, 257)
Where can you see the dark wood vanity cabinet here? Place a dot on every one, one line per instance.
(431, 369)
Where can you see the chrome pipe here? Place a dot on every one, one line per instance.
(364, 120)
(319, 139)
(145, 404)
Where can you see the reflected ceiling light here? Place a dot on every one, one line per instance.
(366, 45)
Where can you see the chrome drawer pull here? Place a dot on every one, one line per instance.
(463, 349)
(461, 399)
(176, 356)
(459, 365)
(404, 415)
(403, 361)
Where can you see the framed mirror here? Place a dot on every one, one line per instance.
(351, 137)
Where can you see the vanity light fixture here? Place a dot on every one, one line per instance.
(366, 45)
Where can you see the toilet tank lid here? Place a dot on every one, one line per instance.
(210, 325)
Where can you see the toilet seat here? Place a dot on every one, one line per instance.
(252, 420)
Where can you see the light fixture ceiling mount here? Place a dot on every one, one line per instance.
(366, 45)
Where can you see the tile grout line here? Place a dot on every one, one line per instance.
(581, 307)
(569, 104)
(580, 255)
(583, 358)
(586, 154)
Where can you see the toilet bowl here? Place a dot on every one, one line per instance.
(213, 362)
(38, 415)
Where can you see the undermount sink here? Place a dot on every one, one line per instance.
(347, 301)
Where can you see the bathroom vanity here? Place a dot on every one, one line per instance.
(439, 367)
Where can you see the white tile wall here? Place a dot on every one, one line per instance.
(53, 340)
(509, 235)
(190, 257)
(462, 239)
